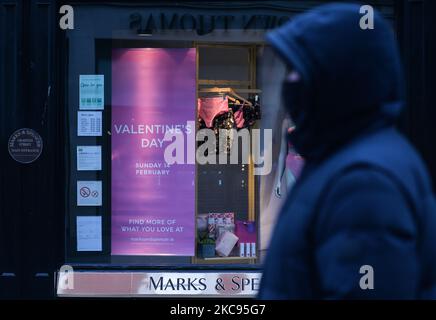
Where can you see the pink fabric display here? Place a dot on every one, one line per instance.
(209, 108)
(246, 231)
(295, 163)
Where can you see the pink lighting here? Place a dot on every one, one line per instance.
(153, 205)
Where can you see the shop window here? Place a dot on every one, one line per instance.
(126, 205)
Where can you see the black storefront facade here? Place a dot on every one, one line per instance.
(42, 69)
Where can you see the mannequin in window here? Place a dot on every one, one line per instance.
(290, 163)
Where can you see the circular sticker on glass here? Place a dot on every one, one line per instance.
(25, 145)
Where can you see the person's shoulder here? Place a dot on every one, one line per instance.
(364, 197)
(386, 153)
(387, 146)
(361, 178)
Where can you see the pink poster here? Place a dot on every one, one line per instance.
(153, 203)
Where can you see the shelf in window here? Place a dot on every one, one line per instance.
(228, 258)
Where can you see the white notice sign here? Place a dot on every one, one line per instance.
(89, 193)
(89, 123)
(88, 158)
(91, 92)
(89, 233)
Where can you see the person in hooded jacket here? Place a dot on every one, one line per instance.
(360, 223)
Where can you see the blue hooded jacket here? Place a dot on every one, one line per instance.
(361, 221)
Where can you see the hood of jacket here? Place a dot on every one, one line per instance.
(352, 80)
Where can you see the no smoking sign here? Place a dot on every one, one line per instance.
(89, 193)
(85, 192)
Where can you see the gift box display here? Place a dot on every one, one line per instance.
(246, 233)
(225, 243)
(207, 248)
(218, 223)
(231, 238)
